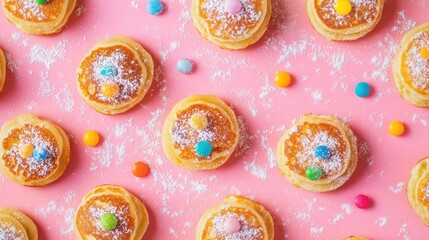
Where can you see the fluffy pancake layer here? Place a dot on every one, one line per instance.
(411, 69)
(179, 137)
(131, 72)
(296, 152)
(131, 214)
(16, 225)
(255, 221)
(231, 31)
(418, 190)
(34, 18)
(364, 16)
(28, 129)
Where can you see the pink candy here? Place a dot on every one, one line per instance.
(232, 225)
(362, 201)
(233, 6)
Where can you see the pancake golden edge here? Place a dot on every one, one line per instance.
(347, 34)
(418, 174)
(62, 141)
(264, 217)
(406, 91)
(26, 222)
(235, 44)
(322, 185)
(168, 143)
(356, 238)
(41, 28)
(2, 70)
(141, 216)
(141, 56)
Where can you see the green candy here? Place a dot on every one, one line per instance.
(40, 2)
(108, 221)
(314, 173)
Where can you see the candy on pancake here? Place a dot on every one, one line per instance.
(200, 133)
(318, 153)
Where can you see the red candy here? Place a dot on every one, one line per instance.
(362, 201)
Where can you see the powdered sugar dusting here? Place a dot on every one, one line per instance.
(246, 231)
(48, 56)
(9, 232)
(418, 67)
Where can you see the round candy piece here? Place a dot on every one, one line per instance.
(108, 221)
(362, 201)
(40, 153)
(108, 71)
(140, 169)
(198, 121)
(343, 7)
(184, 66)
(203, 148)
(322, 152)
(396, 128)
(91, 138)
(362, 89)
(110, 90)
(232, 225)
(154, 7)
(26, 150)
(424, 52)
(282, 79)
(233, 6)
(41, 2)
(314, 173)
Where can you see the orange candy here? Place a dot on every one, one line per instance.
(282, 79)
(140, 169)
(396, 128)
(110, 90)
(91, 138)
(424, 51)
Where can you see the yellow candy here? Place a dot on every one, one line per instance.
(26, 150)
(424, 51)
(282, 79)
(91, 138)
(198, 121)
(343, 7)
(396, 128)
(110, 90)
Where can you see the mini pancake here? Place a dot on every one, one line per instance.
(115, 75)
(28, 130)
(418, 190)
(362, 19)
(34, 18)
(180, 137)
(411, 69)
(231, 31)
(131, 214)
(2, 70)
(296, 152)
(16, 225)
(255, 221)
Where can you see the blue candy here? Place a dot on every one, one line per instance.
(108, 71)
(362, 89)
(154, 7)
(322, 152)
(203, 148)
(40, 154)
(184, 66)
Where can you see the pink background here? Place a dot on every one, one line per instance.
(41, 79)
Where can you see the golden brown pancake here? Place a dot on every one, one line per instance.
(131, 214)
(29, 131)
(15, 225)
(411, 69)
(255, 222)
(119, 62)
(363, 17)
(2, 70)
(34, 18)
(231, 31)
(180, 137)
(296, 152)
(418, 190)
